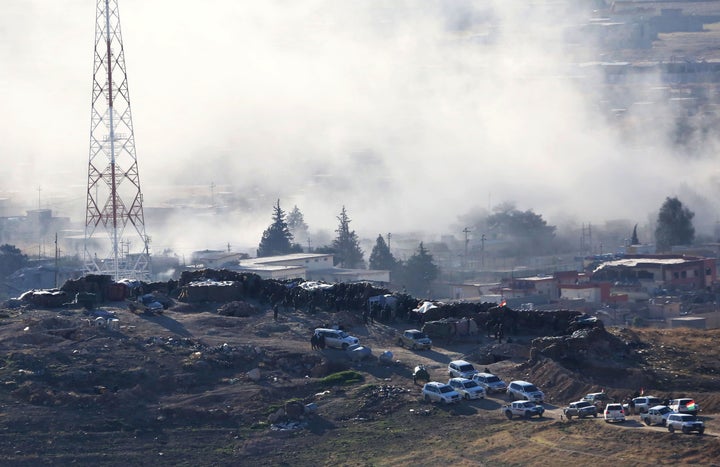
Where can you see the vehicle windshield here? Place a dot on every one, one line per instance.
(471, 384)
(467, 367)
(613, 407)
(689, 418)
(446, 388)
(530, 388)
(417, 335)
(528, 404)
(343, 334)
(664, 410)
(582, 404)
(492, 379)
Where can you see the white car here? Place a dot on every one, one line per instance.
(642, 404)
(657, 415)
(490, 382)
(336, 338)
(524, 390)
(685, 423)
(461, 369)
(467, 388)
(684, 405)
(440, 392)
(614, 413)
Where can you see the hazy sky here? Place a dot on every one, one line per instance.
(409, 113)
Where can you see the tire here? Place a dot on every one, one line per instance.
(701, 431)
(528, 414)
(344, 346)
(508, 414)
(685, 430)
(671, 429)
(467, 397)
(569, 416)
(413, 347)
(400, 342)
(663, 422)
(427, 398)
(595, 415)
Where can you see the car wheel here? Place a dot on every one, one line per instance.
(595, 415)
(663, 423)
(528, 414)
(647, 421)
(508, 414)
(427, 398)
(685, 430)
(414, 347)
(467, 397)
(701, 431)
(344, 346)
(569, 416)
(671, 429)
(400, 342)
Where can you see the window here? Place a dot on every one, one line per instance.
(708, 272)
(676, 275)
(683, 274)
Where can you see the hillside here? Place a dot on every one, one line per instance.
(194, 387)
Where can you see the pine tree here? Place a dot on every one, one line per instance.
(296, 224)
(346, 245)
(381, 257)
(419, 271)
(277, 238)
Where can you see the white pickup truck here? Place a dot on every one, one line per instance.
(525, 409)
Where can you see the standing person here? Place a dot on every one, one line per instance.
(321, 342)
(314, 342)
(275, 311)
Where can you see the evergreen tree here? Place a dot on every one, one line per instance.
(346, 245)
(674, 225)
(381, 257)
(634, 240)
(419, 271)
(296, 224)
(277, 238)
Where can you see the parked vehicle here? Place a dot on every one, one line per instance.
(414, 339)
(684, 405)
(524, 390)
(598, 399)
(525, 409)
(580, 409)
(461, 369)
(642, 404)
(614, 413)
(685, 422)
(490, 382)
(336, 338)
(467, 388)
(657, 415)
(440, 392)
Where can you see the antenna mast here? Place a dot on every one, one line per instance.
(114, 199)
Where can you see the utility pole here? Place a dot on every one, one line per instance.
(114, 211)
(389, 237)
(482, 250)
(466, 231)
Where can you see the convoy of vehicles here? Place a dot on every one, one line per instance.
(466, 382)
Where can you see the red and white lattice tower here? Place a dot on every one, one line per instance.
(115, 240)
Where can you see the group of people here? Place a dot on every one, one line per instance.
(317, 342)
